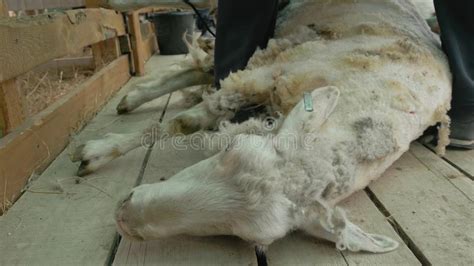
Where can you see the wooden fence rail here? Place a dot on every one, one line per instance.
(25, 43)
(29, 42)
(17, 5)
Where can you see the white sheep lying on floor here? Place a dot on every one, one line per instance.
(376, 79)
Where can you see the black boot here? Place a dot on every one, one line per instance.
(456, 20)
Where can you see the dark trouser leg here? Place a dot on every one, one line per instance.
(242, 26)
(456, 20)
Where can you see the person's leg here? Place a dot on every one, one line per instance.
(456, 20)
(242, 26)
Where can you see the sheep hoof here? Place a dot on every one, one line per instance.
(77, 155)
(122, 107)
(97, 153)
(83, 170)
(261, 256)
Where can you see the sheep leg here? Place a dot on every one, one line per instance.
(157, 88)
(261, 256)
(96, 153)
(220, 106)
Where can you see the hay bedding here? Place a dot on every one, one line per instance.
(43, 88)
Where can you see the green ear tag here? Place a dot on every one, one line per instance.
(308, 102)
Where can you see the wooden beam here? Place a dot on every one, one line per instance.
(137, 43)
(150, 44)
(143, 39)
(11, 99)
(150, 47)
(86, 62)
(92, 3)
(30, 42)
(17, 5)
(11, 106)
(33, 146)
(3, 8)
(137, 4)
(105, 52)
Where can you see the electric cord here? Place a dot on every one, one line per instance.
(203, 21)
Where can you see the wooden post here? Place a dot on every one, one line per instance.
(11, 100)
(3, 8)
(149, 40)
(11, 106)
(105, 51)
(137, 42)
(92, 3)
(126, 49)
(143, 47)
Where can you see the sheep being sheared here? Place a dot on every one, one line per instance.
(376, 78)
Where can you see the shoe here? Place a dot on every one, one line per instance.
(462, 133)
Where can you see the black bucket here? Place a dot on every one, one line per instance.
(170, 28)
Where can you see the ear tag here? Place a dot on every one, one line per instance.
(308, 102)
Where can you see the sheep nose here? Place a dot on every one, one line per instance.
(123, 204)
(123, 219)
(127, 199)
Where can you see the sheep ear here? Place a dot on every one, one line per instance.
(312, 111)
(355, 239)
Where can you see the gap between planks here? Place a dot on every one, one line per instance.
(116, 243)
(460, 159)
(429, 203)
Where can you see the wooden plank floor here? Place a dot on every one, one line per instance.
(63, 220)
(423, 201)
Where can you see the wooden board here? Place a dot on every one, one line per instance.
(3, 8)
(17, 5)
(363, 212)
(434, 214)
(440, 167)
(136, 39)
(31, 41)
(134, 5)
(33, 146)
(11, 106)
(103, 51)
(142, 37)
(462, 159)
(150, 44)
(86, 62)
(298, 249)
